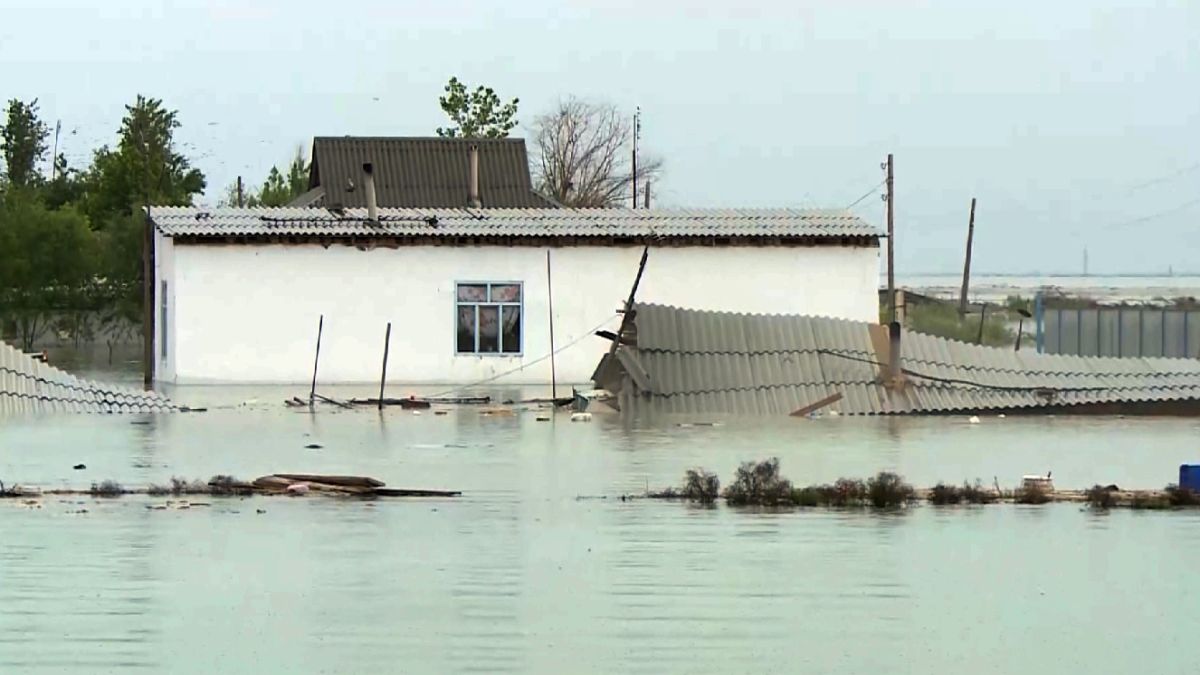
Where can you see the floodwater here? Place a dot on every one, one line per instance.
(540, 568)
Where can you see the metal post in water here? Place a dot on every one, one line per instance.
(387, 341)
(312, 393)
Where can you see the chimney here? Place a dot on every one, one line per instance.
(473, 179)
(369, 191)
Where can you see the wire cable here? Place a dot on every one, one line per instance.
(523, 366)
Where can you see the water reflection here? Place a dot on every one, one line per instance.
(521, 575)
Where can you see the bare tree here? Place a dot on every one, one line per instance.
(585, 155)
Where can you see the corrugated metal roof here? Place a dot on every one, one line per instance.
(30, 386)
(725, 363)
(424, 172)
(497, 223)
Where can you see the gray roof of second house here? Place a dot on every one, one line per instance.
(704, 224)
(28, 386)
(420, 172)
(725, 363)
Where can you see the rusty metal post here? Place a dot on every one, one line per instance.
(387, 342)
(891, 245)
(962, 299)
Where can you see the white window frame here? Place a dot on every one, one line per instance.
(520, 305)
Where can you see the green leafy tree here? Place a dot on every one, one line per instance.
(23, 143)
(144, 168)
(50, 268)
(476, 114)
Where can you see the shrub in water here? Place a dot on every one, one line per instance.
(1100, 497)
(227, 485)
(809, 496)
(846, 492)
(942, 494)
(888, 490)
(1181, 496)
(701, 486)
(108, 488)
(1034, 494)
(759, 483)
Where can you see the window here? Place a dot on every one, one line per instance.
(488, 318)
(163, 347)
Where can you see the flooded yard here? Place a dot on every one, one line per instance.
(540, 567)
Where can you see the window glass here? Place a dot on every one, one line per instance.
(510, 329)
(466, 329)
(489, 328)
(506, 293)
(472, 292)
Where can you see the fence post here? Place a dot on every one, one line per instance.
(1039, 310)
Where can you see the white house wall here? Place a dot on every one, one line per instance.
(249, 313)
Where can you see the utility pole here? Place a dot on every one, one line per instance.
(239, 192)
(54, 155)
(637, 132)
(891, 244)
(647, 193)
(962, 299)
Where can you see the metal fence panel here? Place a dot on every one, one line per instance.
(1122, 331)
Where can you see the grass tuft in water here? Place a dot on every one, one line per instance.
(1149, 502)
(942, 494)
(222, 485)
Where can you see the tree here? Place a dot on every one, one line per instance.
(23, 143)
(50, 264)
(144, 168)
(278, 190)
(585, 155)
(478, 114)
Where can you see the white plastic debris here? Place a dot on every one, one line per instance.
(581, 417)
(297, 489)
(1001, 416)
(974, 419)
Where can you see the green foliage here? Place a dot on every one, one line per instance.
(942, 320)
(144, 168)
(477, 114)
(50, 264)
(759, 483)
(278, 190)
(23, 144)
(886, 490)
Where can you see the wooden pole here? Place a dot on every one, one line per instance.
(241, 203)
(312, 393)
(647, 193)
(962, 298)
(637, 127)
(387, 341)
(891, 246)
(550, 299)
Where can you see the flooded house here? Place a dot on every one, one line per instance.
(477, 282)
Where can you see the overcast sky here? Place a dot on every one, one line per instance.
(1074, 123)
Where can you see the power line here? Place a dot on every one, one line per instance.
(868, 193)
(1153, 216)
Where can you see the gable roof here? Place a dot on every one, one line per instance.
(416, 172)
(708, 225)
(693, 361)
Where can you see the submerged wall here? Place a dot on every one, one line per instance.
(248, 313)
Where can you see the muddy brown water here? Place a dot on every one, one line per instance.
(531, 570)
